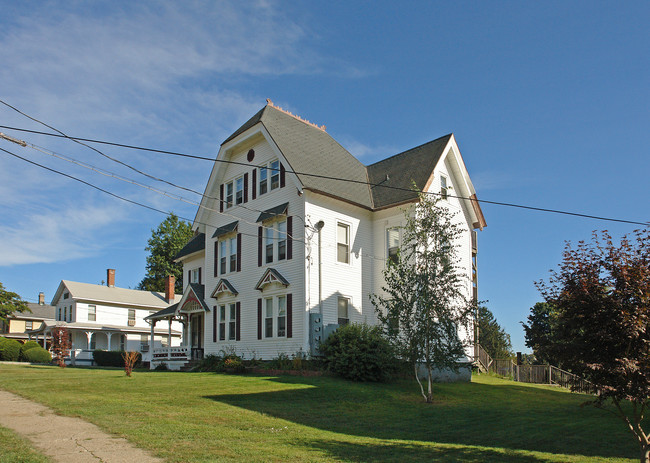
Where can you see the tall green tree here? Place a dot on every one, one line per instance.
(423, 307)
(492, 336)
(165, 242)
(9, 303)
(541, 334)
(601, 297)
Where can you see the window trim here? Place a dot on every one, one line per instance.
(230, 194)
(275, 174)
(388, 243)
(239, 190)
(93, 313)
(444, 190)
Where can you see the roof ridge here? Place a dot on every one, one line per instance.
(410, 149)
(301, 119)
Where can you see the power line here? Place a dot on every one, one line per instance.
(372, 185)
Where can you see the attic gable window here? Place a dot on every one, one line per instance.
(443, 187)
(264, 181)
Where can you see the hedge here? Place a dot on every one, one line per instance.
(112, 358)
(37, 355)
(9, 350)
(25, 347)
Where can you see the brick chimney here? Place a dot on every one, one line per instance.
(170, 285)
(41, 298)
(110, 277)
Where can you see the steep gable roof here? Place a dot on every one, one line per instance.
(402, 170)
(195, 244)
(309, 149)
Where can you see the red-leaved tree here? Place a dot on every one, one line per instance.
(60, 345)
(601, 294)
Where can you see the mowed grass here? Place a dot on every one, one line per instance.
(14, 448)
(198, 417)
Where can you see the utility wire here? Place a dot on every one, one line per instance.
(372, 185)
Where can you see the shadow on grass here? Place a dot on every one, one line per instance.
(503, 416)
(400, 452)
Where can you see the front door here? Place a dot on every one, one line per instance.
(196, 328)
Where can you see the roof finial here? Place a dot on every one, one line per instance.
(271, 104)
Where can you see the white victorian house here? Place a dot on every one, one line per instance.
(293, 233)
(110, 318)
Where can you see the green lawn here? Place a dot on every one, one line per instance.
(214, 417)
(14, 448)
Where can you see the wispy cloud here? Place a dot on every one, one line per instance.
(161, 74)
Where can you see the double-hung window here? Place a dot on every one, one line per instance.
(264, 180)
(232, 322)
(282, 240)
(92, 313)
(229, 194)
(444, 189)
(282, 316)
(195, 275)
(131, 318)
(239, 190)
(275, 175)
(29, 325)
(269, 244)
(392, 244)
(233, 253)
(268, 319)
(223, 258)
(222, 323)
(275, 241)
(343, 243)
(344, 317)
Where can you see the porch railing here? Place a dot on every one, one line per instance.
(171, 353)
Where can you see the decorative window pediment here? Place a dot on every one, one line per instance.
(271, 276)
(273, 212)
(224, 286)
(221, 231)
(192, 300)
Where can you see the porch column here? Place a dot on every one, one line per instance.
(169, 332)
(151, 344)
(89, 335)
(44, 339)
(109, 335)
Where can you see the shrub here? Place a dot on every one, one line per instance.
(359, 353)
(9, 350)
(105, 358)
(233, 364)
(281, 362)
(37, 355)
(25, 347)
(210, 362)
(162, 366)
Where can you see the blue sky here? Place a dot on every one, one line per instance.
(549, 102)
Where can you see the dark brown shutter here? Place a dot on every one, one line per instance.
(216, 258)
(259, 319)
(199, 275)
(254, 178)
(246, 187)
(239, 253)
(238, 322)
(289, 237)
(282, 175)
(221, 198)
(289, 316)
(214, 323)
(259, 247)
(189, 277)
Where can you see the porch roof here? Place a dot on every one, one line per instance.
(48, 326)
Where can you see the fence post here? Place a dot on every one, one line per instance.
(550, 381)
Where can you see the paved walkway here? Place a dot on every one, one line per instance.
(65, 439)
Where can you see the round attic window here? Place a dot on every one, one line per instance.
(251, 155)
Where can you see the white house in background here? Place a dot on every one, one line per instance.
(285, 251)
(111, 318)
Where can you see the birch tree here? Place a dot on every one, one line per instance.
(424, 306)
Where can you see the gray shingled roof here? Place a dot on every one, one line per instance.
(414, 165)
(311, 150)
(197, 243)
